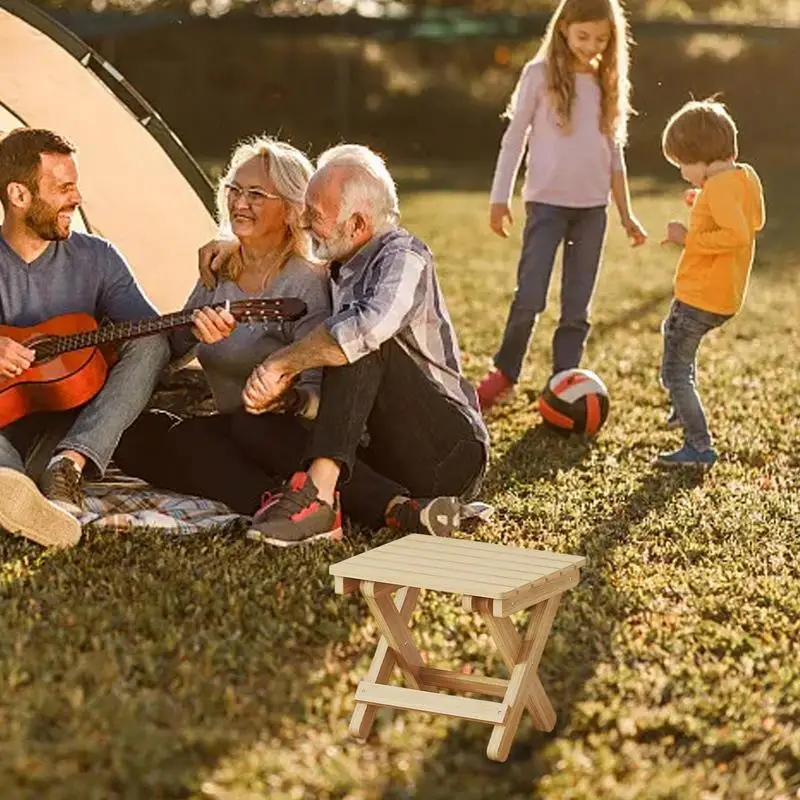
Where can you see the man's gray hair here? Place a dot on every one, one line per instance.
(368, 188)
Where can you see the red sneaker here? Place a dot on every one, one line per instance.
(296, 515)
(494, 389)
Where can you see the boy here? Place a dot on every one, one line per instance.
(713, 270)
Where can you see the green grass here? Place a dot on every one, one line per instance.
(144, 666)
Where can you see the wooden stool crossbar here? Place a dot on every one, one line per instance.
(495, 581)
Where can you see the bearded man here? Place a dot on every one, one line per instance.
(398, 423)
(47, 270)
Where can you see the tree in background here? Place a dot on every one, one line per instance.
(782, 11)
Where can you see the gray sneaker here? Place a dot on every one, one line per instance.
(438, 516)
(296, 515)
(25, 511)
(62, 484)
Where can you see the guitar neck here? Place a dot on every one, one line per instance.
(120, 331)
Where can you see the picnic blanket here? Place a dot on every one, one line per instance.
(122, 503)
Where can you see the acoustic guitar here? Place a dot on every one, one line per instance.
(74, 353)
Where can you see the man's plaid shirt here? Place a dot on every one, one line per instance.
(389, 289)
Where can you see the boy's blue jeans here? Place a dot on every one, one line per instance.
(583, 232)
(94, 430)
(684, 329)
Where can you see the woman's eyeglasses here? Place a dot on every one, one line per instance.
(253, 197)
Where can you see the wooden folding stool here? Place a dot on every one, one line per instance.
(495, 581)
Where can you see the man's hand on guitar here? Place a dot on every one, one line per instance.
(212, 257)
(267, 383)
(212, 325)
(15, 358)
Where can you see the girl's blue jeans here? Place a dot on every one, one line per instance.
(582, 230)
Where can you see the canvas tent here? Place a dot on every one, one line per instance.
(141, 189)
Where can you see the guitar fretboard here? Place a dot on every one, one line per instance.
(284, 309)
(114, 332)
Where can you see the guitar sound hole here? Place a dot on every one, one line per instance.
(44, 347)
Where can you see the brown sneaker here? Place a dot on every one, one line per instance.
(62, 484)
(25, 511)
(296, 515)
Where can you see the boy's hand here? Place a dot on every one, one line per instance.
(634, 230)
(676, 233)
(690, 196)
(498, 214)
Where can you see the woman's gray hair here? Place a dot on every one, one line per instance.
(289, 169)
(369, 188)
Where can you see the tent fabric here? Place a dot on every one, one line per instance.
(141, 188)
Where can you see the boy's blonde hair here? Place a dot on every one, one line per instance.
(612, 75)
(701, 131)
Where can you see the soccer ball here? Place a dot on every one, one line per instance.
(575, 401)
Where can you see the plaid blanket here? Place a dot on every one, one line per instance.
(122, 503)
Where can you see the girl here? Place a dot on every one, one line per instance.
(570, 108)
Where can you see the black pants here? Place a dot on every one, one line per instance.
(201, 456)
(420, 444)
(195, 456)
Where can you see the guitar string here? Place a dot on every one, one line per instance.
(123, 330)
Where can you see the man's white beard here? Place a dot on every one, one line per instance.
(331, 248)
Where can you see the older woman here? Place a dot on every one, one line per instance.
(260, 202)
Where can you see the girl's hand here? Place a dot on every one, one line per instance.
(676, 233)
(498, 214)
(634, 230)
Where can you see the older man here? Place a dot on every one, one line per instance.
(394, 400)
(46, 270)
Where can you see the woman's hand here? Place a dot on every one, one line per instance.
(498, 214)
(265, 387)
(212, 257)
(212, 325)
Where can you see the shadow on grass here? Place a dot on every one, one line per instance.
(580, 641)
(537, 455)
(658, 301)
(133, 664)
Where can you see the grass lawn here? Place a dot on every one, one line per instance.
(142, 666)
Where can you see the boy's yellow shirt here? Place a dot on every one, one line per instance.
(714, 267)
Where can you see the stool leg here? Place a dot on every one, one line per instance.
(395, 629)
(383, 663)
(521, 682)
(508, 642)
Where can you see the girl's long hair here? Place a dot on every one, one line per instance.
(612, 73)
